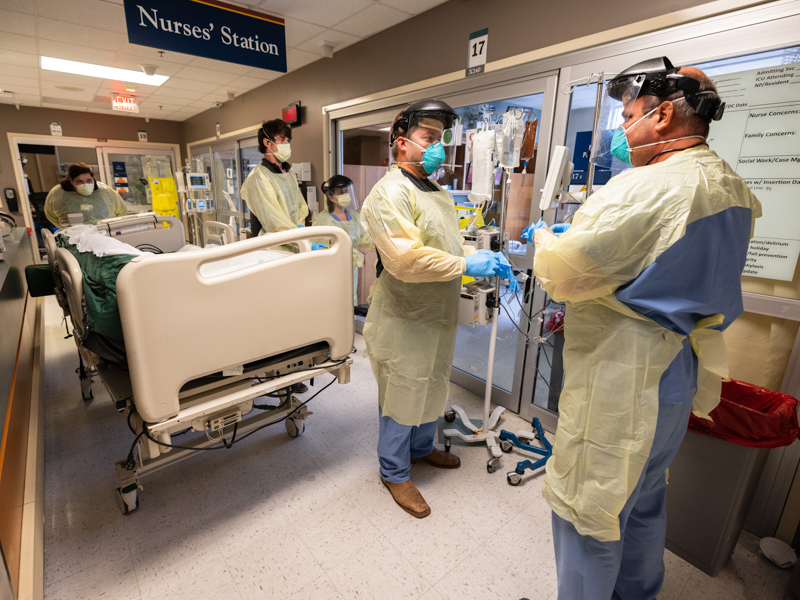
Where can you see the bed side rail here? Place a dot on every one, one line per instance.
(148, 232)
(180, 324)
(217, 233)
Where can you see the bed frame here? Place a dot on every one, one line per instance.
(200, 349)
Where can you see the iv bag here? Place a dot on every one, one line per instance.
(482, 166)
(529, 139)
(512, 141)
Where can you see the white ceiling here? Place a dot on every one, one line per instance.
(94, 31)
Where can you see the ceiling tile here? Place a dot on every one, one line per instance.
(296, 59)
(63, 106)
(298, 32)
(17, 22)
(218, 65)
(247, 82)
(129, 61)
(19, 71)
(175, 93)
(24, 6)
(413, 6)
(371, 20)
(263, 74)
(163, 105)
(337, 38)
(153, 53)
(72, 52)
(314, 11)
(105, 16)
(79, 35)
(176, 83)
(201, 74)
(18, 43)
(18, 58)
(9, 82)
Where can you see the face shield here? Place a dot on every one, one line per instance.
(432, 127)
(339, 191)
(618, 93)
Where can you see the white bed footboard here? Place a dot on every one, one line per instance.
(180, 325)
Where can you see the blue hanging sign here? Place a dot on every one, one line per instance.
(210, 29)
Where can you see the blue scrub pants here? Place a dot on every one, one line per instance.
(632, 567)
(398, 444)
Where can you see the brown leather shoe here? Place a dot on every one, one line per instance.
(408, 497)
(440, 460)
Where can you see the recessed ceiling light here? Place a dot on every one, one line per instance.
(69, 88)
(89, 70)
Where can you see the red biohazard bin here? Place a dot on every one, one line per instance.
(752, 416)
(714, 476)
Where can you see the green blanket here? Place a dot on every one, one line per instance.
(100, 288)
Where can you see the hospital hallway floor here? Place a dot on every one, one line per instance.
(305, 518)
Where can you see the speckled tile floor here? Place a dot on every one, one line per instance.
(304, 518)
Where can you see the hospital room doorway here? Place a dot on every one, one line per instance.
(362, 158)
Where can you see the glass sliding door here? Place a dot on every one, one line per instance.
(144, 178)
(226, 185)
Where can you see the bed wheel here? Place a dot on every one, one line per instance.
(513, 478)
(87, 398)
(294, 427)
(506, 446)
(450, 416)
(492, 465)
(128, 501)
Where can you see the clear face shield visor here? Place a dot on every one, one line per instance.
(343, 196)
(437, 126)
(617, 94)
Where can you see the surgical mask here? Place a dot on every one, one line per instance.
(343, 200)
(283, 152)
(432, 157)
(85, 189)
(621, 150)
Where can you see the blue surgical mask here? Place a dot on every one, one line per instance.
(621, 149)
(432, 156)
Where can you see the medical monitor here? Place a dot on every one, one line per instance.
(197, 181)
(558, 178)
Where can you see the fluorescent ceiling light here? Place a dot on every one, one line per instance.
(385, 129)
(90, 70)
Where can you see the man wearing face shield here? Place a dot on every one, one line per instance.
(410, 329)
(341, 206)
(650, 273)
(271, 189)
(80, 199)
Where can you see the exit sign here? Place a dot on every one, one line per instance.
(291, 114)
(124, 103)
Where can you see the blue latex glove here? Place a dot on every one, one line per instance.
(484, 263)
(527, 233)
(316, 246)
(506, 272)
(560, 228)
(301, 225)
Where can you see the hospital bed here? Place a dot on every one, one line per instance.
(202, 341)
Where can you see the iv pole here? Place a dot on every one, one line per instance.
(486, 432)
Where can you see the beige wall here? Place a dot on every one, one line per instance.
(75, 124)
(429, 45)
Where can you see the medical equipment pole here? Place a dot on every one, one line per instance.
(590, 171)
(486, 433)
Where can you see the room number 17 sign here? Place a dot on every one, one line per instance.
(476, 53)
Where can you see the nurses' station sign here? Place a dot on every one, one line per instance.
(759, 136)
(209, 29)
